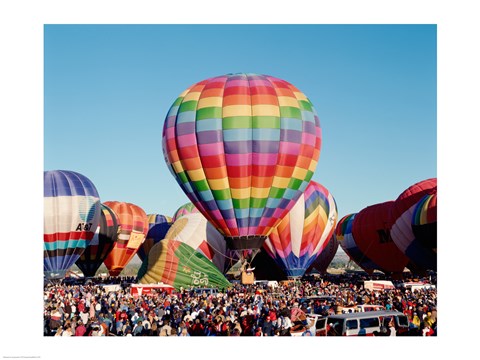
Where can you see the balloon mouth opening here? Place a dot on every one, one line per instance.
(245, 242)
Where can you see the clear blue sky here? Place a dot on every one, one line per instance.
(108, 88)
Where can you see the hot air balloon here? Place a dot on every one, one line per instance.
(343, 234)
(158, 226)
(194, 230)
(243, 147)
(185, 209)
(325, 257)
(424, 221)
(101, 244)
(71, 216)
(423, 257)
(304, 231)
(179, 265)
(133, 227)
(371, 231)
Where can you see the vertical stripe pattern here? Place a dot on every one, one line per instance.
(304, 231)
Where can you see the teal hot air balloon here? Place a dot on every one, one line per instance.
(71, 217)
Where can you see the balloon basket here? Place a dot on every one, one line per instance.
(248, 277)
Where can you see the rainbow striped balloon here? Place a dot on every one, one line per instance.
(304, 232)
(420, 253)
(243, 147)
(71, 217)
(424, 221)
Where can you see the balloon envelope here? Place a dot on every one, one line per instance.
(158, 226)
(424, 221)
(243, 148)
(194, 230)
(304, 231)
(326, 255)
(133, 227)
(371, 231)
(101, 244)
(175, 263)
(185, 209)
(71, 216)
(420, 254)
(343, 234)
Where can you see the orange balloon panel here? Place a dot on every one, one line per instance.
(132, 230)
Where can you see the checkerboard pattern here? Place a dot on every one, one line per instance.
(243, 147)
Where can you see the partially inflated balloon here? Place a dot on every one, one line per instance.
(185, 209)
(304, 231)
(371, 231)
(71, 216)
(421, 256)
(243, 147)
(325, 257)
(158, 226)
(133, 227)
(424, 221)
(194, 230)
(343, 234)
(101, 244)
(175, 263)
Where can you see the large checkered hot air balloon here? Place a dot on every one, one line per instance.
(243, 147)
(71, 216)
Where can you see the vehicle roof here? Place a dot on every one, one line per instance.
(319, 297)
(366, 314)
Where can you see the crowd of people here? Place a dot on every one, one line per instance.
(85, 308)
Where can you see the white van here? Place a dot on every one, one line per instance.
(365, 323)
(317, 326)
(359, 308)
(269, 283)
(412, 286)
